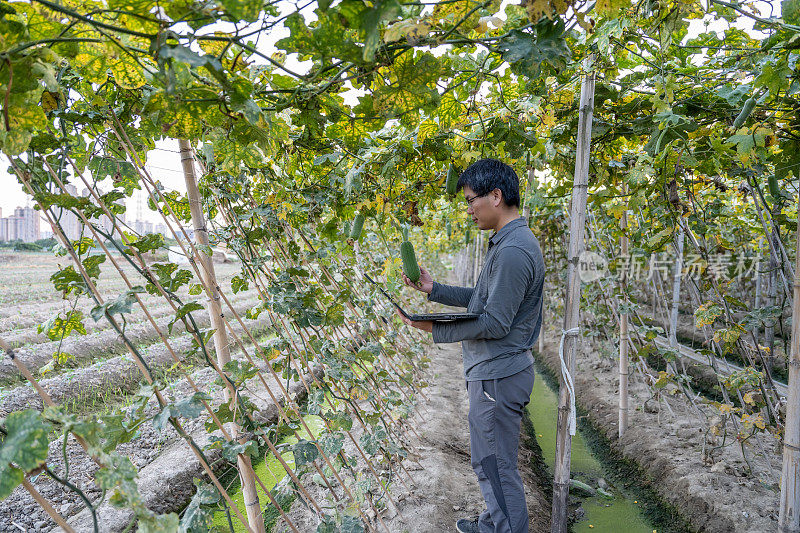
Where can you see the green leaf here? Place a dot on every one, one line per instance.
(184, 310)
(199, 514)
(339, 421)
(187, 56)
(790, 11)
(352, 524)
(169, 277)
(734, 96)
(304, 452)
(671, 126)
(67, 280)
(119, 476)
(190, 408)
(332, 443)
(239, 283)
(10, 478)
(147, 243)
(23, 449)
(240, 371)
(121, 305)
(162, 523)
(177, 203)
(327, 525)
(328, 39)
(526, 52)
(118, 429)
(372, 17)
(658, 240)
(243, 9)
(121, 172)
(371, 442)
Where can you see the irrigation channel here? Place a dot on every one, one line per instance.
(610, 501)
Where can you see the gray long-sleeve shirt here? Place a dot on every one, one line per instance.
(508, 297)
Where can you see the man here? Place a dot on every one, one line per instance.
(498, 364)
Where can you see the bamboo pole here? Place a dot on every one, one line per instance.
(789, 516)
(624, 336)
(757, 298)
(776, 257)
(476, 258)
(566, 394)
(541, 327)
(48, 508)
(676, 289)
(249, 492)
(772, 297)
(526, 208)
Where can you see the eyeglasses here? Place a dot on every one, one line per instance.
(470, 200)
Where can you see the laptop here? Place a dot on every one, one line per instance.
(434, 317)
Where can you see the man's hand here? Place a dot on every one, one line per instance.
(424, 325)
(425, 283)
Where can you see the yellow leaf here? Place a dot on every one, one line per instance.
(549, 118)
(390, 266)
(609, 8)
(469, 157)
(538, 8)
(91, 62)
(412, 29)
(127, 73)
(616, 211)
(425, 130)
(50, 101)
(725, 408)
(748, 398)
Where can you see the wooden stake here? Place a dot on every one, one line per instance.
(44, 504)
(789, 516)
(541, 328)
(526, 208)
(249, 492)
(676, 289)
(757, 299)
(572, 306)
(476, 259)
(623, 332)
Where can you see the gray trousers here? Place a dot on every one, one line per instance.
(496, 407)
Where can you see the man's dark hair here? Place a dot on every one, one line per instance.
(486, 175)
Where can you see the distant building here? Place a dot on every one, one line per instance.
(69, 221)
(23, 225)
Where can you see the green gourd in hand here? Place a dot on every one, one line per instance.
(410, 266)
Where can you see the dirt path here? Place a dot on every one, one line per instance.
(445, 488)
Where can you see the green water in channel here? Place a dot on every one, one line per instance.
(617, 515)
(270, 471)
